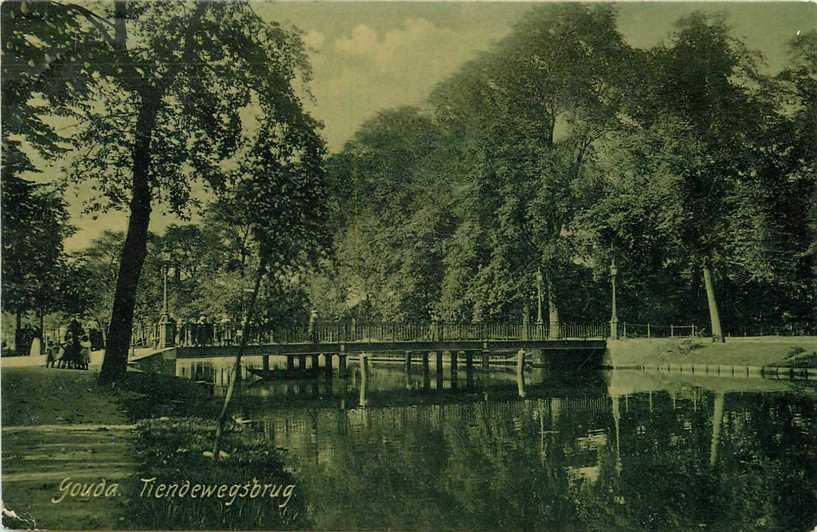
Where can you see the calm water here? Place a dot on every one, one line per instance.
(616, 450)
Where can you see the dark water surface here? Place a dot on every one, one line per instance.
(617, 450)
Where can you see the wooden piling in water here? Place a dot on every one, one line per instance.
(439, 366)
(426, 375)
(315, 363)
(407, 362)
(362, 358)
(265, 362)
(327, 364)
(290, 362)
(486, 359)
(520, 373)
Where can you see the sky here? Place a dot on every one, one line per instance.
(369, 56)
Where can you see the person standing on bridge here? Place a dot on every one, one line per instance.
(312, 328)
(226, 333)
(435, 325)
(192, 328)
(204, 336)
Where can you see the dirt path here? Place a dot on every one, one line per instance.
(58, 425)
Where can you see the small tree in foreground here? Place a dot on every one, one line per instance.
(288, 230)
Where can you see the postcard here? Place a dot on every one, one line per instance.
(408, 265)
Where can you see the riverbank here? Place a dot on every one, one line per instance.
(58, 425)
(768, 351)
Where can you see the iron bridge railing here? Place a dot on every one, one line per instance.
(228, 333)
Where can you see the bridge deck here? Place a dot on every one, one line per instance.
(494, 347)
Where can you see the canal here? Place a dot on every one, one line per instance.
(623, 450)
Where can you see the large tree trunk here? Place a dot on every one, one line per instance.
(714, 316)
(133, 253)
(553, 310)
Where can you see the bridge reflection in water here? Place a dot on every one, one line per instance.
(620, 450)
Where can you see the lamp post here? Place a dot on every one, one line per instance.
(614, 311)
(167, 325)
(540, 322)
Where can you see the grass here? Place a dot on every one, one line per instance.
(173, 451)
(40, 396)
(797, 357)
(173, 429)
(745, 352)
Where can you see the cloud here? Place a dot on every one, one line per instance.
(314, 40)
(362, 41)
(365, 70)
(417, 43)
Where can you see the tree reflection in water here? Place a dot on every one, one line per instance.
(583, 454)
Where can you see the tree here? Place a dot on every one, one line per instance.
(35, 224)
(389, 248)
(287, 230)
(681, 169)
(530, 111)
(98, 265)
(46, 49)
(167, 112)
(42, 74)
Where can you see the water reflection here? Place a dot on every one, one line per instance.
(387, 448)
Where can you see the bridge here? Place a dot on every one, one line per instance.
(305, 346)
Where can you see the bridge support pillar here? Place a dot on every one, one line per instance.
(486, 359)
(426, 376)
(407, 362)
(327, 364)
(363, 379)
(469, 368)
(454, 367)
(302, 362)
(316, 363)
(290, 362)
(342, 364)
(265, 362)
(439, 366)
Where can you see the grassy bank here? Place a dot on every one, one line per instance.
(59, 424)
(761, 351)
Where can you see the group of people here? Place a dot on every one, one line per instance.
(74, 346)
(203, 331)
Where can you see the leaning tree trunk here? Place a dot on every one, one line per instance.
(714, 316)
(133, 253)
(249, 317)
(553, 310)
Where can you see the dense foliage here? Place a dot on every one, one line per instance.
(561, 147)
(521, 178)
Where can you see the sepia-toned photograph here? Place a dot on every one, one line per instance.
(408, 266)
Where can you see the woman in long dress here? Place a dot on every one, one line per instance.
(36, 348)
